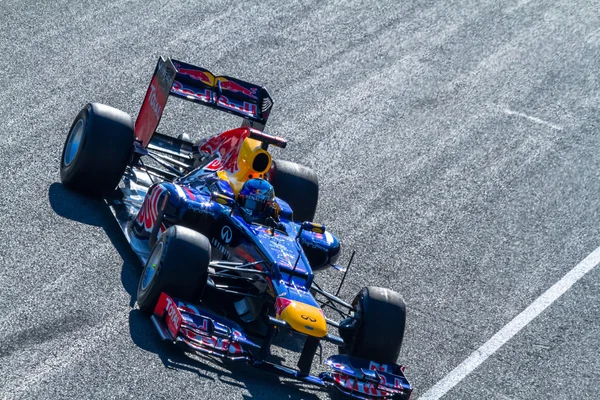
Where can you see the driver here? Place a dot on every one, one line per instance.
(257, 202)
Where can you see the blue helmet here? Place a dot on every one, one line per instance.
(256, 198)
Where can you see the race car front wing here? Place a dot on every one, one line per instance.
(208, 333)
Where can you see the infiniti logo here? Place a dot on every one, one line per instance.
(226, 234)
(306, 317)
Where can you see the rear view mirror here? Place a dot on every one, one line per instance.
(222, 199)
(312, 227)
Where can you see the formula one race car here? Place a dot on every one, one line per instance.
(227, 238)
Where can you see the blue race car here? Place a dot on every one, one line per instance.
(227, 239)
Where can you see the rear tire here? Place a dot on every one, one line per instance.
(298, 186)
(97, 150)
(177, 265)
(377, 330)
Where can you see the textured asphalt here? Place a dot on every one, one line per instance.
(457, 148)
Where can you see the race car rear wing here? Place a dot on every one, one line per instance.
(186, 81)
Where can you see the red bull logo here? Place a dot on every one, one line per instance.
(227, 145)
(237, 88)
(149, 211)
(196, 74)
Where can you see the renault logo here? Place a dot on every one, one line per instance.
(226, 234)
(306, 317)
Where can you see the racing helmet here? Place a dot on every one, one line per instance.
(256, 198)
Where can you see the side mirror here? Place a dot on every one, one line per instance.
(312, 227)
(222, 199)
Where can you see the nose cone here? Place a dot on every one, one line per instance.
(302, 317)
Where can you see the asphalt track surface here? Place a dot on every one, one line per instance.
(457, 148)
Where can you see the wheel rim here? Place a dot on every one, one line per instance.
(152, 266)
(73, 143)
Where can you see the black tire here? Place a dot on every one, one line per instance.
(298, 186)
(181, 257)
(381, 320)
(105, 147)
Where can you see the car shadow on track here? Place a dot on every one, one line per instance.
(90, 211)
(260, 385)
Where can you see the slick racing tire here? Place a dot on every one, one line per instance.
(377, 329)
(177, 265)
(298, 186)
(97, 150)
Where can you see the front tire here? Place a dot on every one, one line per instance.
(376, 331)
(97, 150)
(177, 265)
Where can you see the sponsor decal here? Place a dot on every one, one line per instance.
(258, 198)
(247, 108)
(211, 342)
(214, 165)
(355, 385)
(285, 255)
(280, 304)
(385, 368)
(373, 366)
(237, 88)
(226, 147)
(342, 367)
(149, 211)
(165, 75)
(226, 234)
(188, 308)
(308, 318)
(222, 344)
(235, 348)
(219, 246)
(154, 102)
(173, 317)
(203, 327)
(198, 94)
(195, 74)
(310, 243)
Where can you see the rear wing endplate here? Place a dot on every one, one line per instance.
(155, 100)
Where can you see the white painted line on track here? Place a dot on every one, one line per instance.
(512, 328)
(533, 119)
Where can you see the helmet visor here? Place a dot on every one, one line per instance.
(256, 206)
